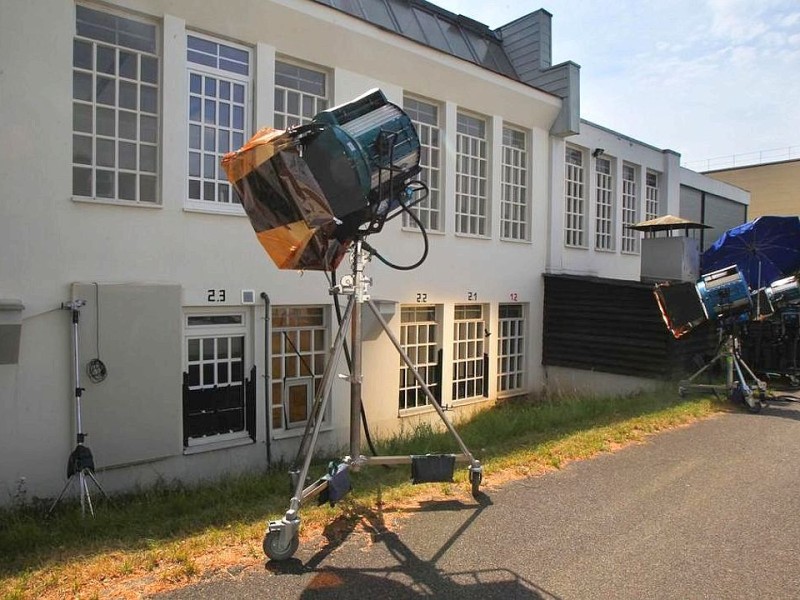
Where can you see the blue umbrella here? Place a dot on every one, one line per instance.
(765, 250)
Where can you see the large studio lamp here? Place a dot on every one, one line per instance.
(311, 190)
(313, 194)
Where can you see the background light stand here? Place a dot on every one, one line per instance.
(736, 373)
(282, 537)
(80, 465)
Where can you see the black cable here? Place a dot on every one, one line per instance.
(95, 369)
(426, 244)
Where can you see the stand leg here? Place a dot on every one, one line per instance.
(475, 466)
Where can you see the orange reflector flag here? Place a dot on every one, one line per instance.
(285, 204)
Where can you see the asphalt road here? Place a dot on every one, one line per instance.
(707, 511)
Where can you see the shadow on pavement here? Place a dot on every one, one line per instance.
(410, 576)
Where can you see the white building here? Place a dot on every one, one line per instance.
(114, 117)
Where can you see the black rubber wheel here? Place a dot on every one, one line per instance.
(756, 408)
(273, 548)
(475, 478)
(683, 392)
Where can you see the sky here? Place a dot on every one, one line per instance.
(717, 81)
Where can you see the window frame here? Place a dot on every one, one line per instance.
(511, 331)
(469, 350)
(429, 368)
(142, 143)
(217, 331)
(651, 195)
(430, 209)
(630, 209)
(281, 117)
(472, 210)
(278, 398)
(575, 204)
(236, 137)
(515, 204)
(605, 205)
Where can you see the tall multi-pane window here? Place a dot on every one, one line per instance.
(419, 338)
(469, 370)
(115, 107)
(650, 196)
(629, 212)
(215, 376)
(425, 117)
(511, 348)
(219, 109)
(604, 203)
(299, 347)
(471, 176)
(300, 93)
(514, 199)
(575, 203)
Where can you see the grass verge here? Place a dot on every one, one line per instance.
(171, 535)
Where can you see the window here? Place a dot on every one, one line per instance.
(300, 93)
(604, 199)
(514, 200)
(471, 187)
(575, 209)
(299, 347)
(215, 389)
(469, 359)
(115, 108)
(419, 337)
(425, 117)
(629, 212)
(511, 348)
(219, 109)
(651, 196)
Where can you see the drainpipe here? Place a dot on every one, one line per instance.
(267, 365)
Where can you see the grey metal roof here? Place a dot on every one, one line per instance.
(435, 27)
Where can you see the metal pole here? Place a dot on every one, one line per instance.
(76, 315)
(355, 339)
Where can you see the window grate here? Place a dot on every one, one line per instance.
(575, 205)
(425, 117)
(629, 212)
(472, 204)
(115, 108)
(514, 184)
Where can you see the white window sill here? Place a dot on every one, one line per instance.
(113, 202)
(416, 410)
(214, 208)
(473, 236)
(516, 240)
(295, 432)
(416, 230)
(217, 442)
(467, 401)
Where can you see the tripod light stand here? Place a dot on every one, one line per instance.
(736, 370)
(80, 465)
(281, 539)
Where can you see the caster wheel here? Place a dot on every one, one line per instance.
(756, 406)
(683, 392)
(475, 478)
(273, 548)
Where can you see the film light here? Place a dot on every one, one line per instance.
(309, 191)
(717, 295)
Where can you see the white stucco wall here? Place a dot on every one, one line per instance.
(50, 240)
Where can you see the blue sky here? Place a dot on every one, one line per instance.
(707, 78)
